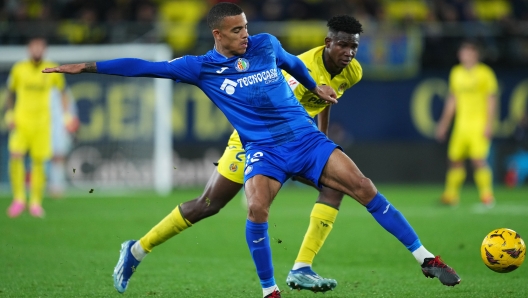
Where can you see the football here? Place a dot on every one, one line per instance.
(503, 250)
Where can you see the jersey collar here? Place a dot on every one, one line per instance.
(217, 54)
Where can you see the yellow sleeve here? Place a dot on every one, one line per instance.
(491, 82)
(357, 74)
(60, 81)
(452, 81)
(12, 79)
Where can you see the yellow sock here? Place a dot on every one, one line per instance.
(38, 182)
(484, 180)
(321, 223)
(454, 179)
(171, 225)
(17, 174)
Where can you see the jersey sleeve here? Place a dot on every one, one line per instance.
(12, 80)
(491, 82)
(60, 81)
(356, 75)
(180, 69)
(292, 64)
(186, 69)
(452, 81)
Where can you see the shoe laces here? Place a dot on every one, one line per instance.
(437, 262)
(274, 294)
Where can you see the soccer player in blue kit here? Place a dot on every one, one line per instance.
(241, 76)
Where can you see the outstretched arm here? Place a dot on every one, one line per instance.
(127, 67)
(72, 68)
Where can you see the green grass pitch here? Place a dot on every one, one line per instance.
(72, 252)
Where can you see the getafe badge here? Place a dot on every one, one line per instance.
(248, 169)
(241, 64)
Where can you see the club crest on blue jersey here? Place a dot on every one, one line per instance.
(241, 64)
(248, 169)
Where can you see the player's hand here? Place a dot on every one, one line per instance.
(326, 93)
(440, 134)
(488, 132)
(9, 119)
(67, 68)
(71, 122)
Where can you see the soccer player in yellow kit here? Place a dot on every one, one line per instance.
(472, 102)
(28, 117)
(332, 64)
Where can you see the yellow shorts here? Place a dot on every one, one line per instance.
(472, 146)
(231, 164)
(36, 140)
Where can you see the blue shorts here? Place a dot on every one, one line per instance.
(305, 157)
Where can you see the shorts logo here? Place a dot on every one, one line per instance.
(241, 64)
(233, 167)
(342, 87)
(248, 170)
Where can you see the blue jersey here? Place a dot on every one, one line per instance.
(249, 89)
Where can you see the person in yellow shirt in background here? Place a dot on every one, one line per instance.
(28, 118)
(472, 102)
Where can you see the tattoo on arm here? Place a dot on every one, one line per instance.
(90, 67)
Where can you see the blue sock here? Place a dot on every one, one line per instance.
(393, 221)
(259, 246)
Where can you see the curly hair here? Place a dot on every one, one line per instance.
(220, 11)
(344, 23)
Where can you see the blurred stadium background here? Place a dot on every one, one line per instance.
(385, 123)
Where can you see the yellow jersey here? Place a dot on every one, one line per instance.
(33, 92)
(313, 59)
(471, 89)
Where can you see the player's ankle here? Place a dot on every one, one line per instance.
(138, 252)
(269, 290)
(299, 265)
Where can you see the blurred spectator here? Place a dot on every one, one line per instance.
(179, 20)
(499, 24)
(471, 107)
(517, 163)
(84, 29)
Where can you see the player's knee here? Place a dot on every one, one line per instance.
(16, 156)
(257, 211)
(479, 163)
(365, 190)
